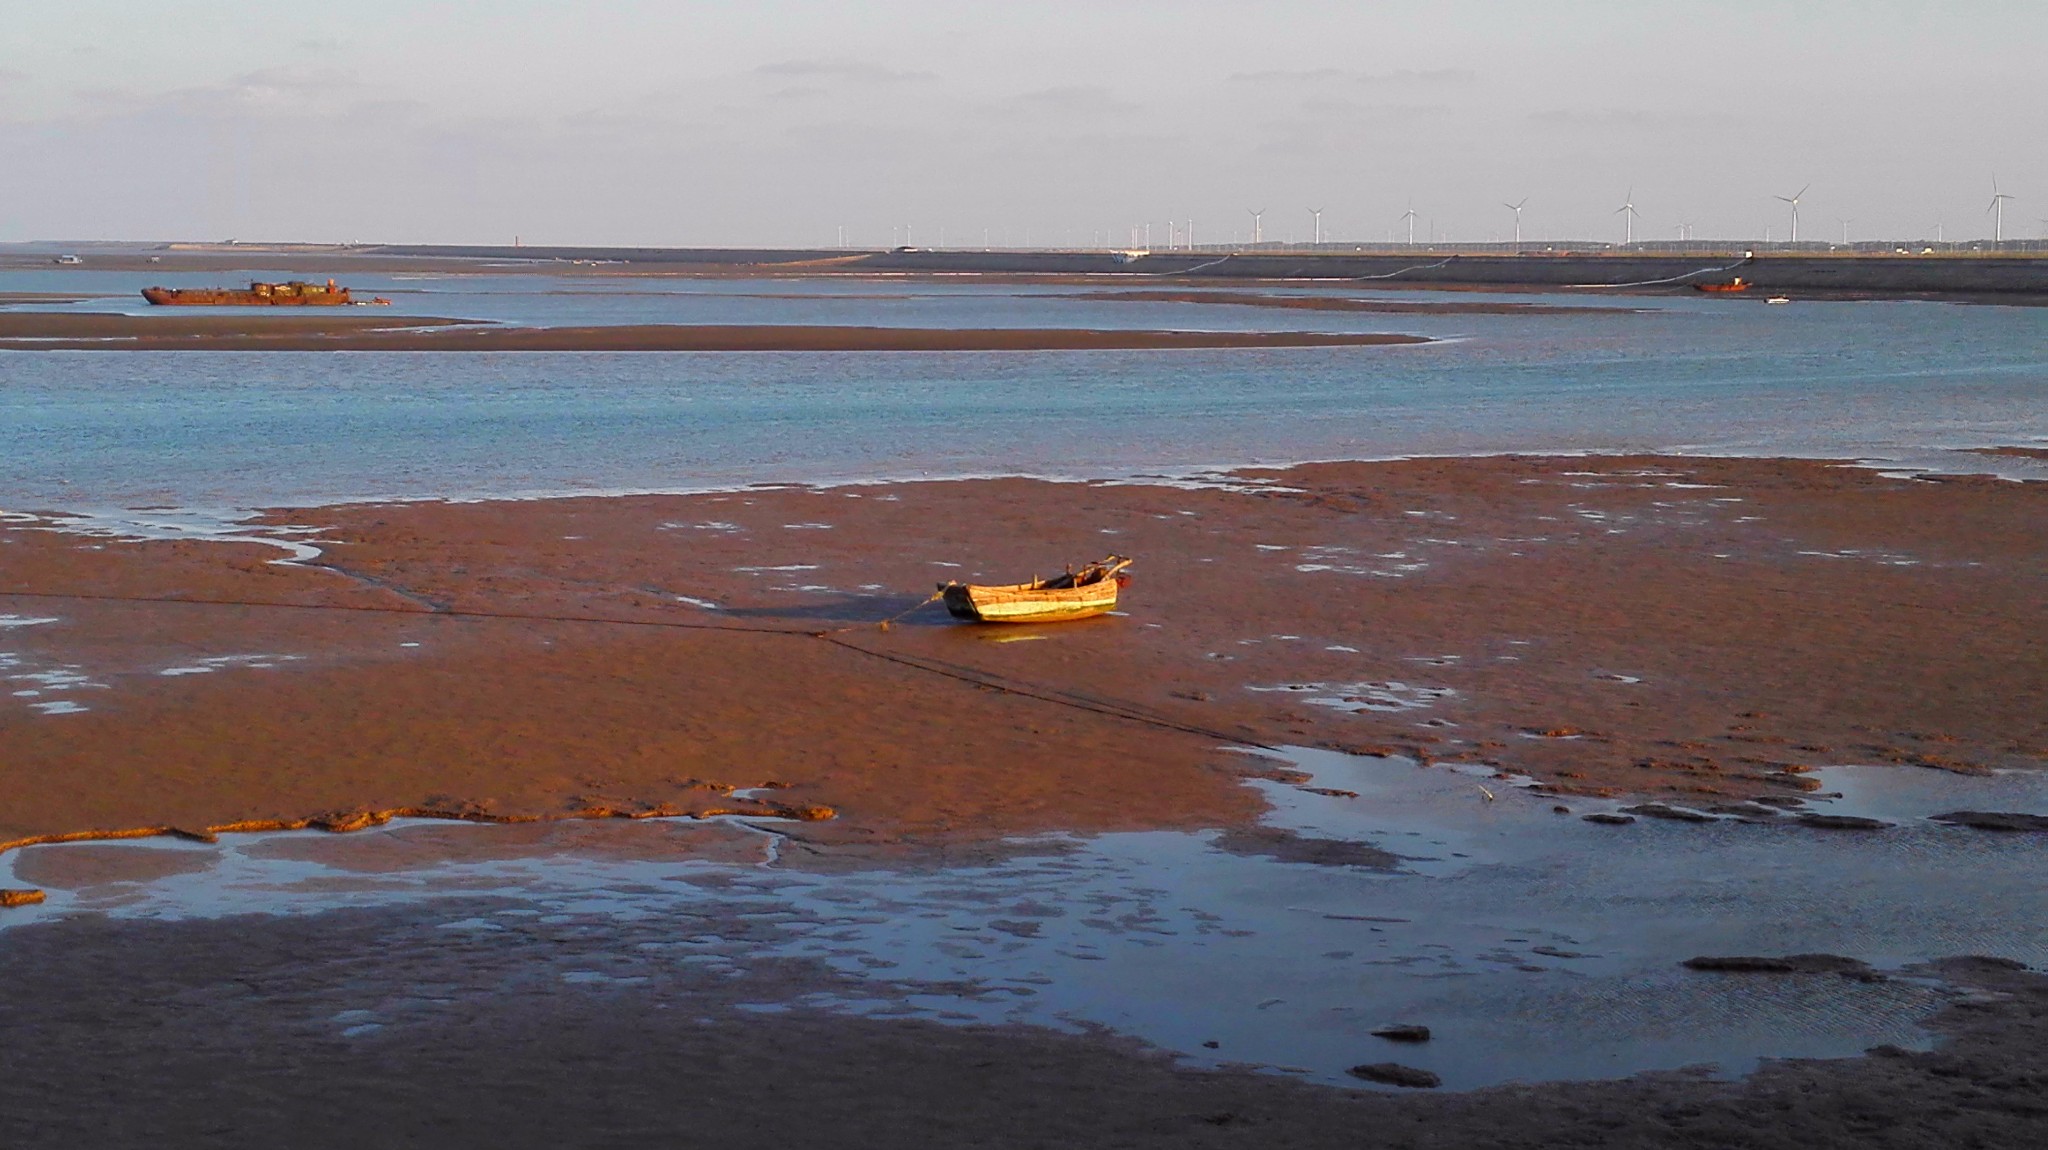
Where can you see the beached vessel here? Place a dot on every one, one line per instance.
(296, 293)
(1075, 595)
(1736, 284)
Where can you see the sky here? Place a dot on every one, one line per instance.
(1040, 122)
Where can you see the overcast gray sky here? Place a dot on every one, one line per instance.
(780, 121)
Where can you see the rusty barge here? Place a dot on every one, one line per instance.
(296, 293)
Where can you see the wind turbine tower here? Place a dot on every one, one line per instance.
(1409, 215)
(1318, 214)
(1258, 225)
(1517, 209)
(1997, 212)
(1628, 213)
(1793, 199)
(1846, 221)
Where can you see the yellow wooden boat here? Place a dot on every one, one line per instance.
(1074, 595)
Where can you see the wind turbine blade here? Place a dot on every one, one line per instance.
(1801, 192)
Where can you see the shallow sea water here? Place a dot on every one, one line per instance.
(1535, 945)
(104, 431)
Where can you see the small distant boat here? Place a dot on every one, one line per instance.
(1736, 284)
(1779, 299)
(1075, 595)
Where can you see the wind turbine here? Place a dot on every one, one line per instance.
(1258, 225)
(1409, 215)
(1846, 221)
(1517, 209)
(1997, 211)
(1318, 214)
(1793, 199)
(1628, 213)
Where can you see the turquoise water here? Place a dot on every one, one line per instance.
(1904, 381)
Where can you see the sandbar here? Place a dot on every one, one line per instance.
(1356, 304)
(1704, 631)
(78, 331)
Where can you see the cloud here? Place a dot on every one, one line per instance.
(266, 92)
(841, 70)
(1657, 120)
(1071, 100)
(1406, 77)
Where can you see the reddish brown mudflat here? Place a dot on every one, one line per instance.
(1698, 629)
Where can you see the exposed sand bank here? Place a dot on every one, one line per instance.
(1703, 630)
(1352, 304)
(297, 332)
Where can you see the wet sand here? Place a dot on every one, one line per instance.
(407, 1028)
(1354, 304)
(1697, 630)
(2040, 453)
(16, 298)
(1701, 630)
(297, 332)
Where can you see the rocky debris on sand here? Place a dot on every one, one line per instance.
(1981, 962)
(20, 897)
(1841, 822)
(1746, 811)
(1995, 820)
(1675, 814)
(1403, 1032)
(1609, 819)
(1395, 1074)
(1787, 964)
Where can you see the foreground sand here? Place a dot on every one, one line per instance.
(1704, 629)
(232, 1032)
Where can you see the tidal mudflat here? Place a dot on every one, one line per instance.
(1676, 796)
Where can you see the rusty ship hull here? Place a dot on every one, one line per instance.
(293, 294)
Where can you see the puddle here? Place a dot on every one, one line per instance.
(211, 664)
(1386, 695)
(1898, 794)
(1535, 945)
(219, 525)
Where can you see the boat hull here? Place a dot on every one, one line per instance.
(1024, 603)
(257, 295)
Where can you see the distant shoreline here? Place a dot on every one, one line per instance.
(2006, 276)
